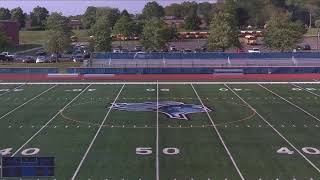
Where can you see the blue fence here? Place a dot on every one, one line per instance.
(244, 70)
(21, 70)
(208, 55)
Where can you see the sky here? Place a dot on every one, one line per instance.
(76, 7)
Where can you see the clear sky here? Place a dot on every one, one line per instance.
(74, 7)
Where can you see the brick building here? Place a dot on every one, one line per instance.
(11, 28)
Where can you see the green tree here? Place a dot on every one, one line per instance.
(152, 10)
(112, 14)
(57, 42)
(174, 10)
(59, 33)
(18, 15)
(192, 22)
(125, 26)
(223, 32)
(39, 16)
(57, 22)
(154, 35)
(5, 14)
(204, 10)
(283, 34)
(101, 32)
(89, 17)
(3, 40)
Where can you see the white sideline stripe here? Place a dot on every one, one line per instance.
(284, 99)
(34, 135)
(306, 90)
(8, 113)
(157, 136)
(12, 89)
(96, 135)
(219, 135)
(274, 129)
(164, 82)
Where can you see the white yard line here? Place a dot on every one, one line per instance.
(291, 103)
(12, 89)
(44, 126)
(163, 82)
(157, 137)
(8, 113)
(274, 129)
(96, 135)
(306, 90)
(219, 135)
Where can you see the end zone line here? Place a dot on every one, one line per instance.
(306, 90)
(274, 129)
(157, 137)
(284, 99)
(219, 135)
(8, 113)
(96, 135)
(34, 135)
(12, 89)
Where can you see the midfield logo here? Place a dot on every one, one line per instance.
(174, 110)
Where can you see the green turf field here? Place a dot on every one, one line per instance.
(237, 131)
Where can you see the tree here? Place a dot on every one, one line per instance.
(223, 32)
(204, 10)
(3, 40)
(192, 22)
(102, 35)
(175, 10)
(154, 35)
(189, 8)
(57, 42)
(59, 33)
(125, 13)
(18, 15)
(57, 22)
(5, 14)
(39, 16)
(283, 34)
(112, 14)
(89, 17)
(124, 26)
(152, 10)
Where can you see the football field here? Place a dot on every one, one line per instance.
(165, 131)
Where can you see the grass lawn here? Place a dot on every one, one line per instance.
(162, 132)
(40, 37)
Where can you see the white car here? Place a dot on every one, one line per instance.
(254, 50)
(41, 59)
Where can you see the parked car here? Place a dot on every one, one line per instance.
(78, 58)
(41, 53)
(28, 59)
(124, 50)
(138, 48)
(303, 47)
(116, 50)
(254, 50)
(42, 59)
(8, 55)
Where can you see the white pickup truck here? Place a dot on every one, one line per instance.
(254, 50)
(6, 56)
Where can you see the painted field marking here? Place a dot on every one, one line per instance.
(306, 90)
(291, 103)
(164, 82)
(12, 89)
(96, 135)
(275, 130)
(45, 125)
(219, 135)
(157, 136)
(8, 113)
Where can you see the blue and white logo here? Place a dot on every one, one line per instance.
(174, 110)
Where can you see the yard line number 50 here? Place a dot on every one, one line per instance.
(148, 150)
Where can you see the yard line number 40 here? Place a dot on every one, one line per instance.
(307, 150)
(26, 152)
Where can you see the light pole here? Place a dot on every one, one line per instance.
(317, 24)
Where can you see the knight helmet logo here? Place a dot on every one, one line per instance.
(174, 110)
